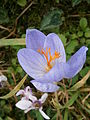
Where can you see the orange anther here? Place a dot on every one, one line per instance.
(51, 57)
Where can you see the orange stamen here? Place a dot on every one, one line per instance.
(52, 57)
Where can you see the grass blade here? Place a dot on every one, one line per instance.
(72, 100)
(80, 83)
(16, 41)
(10, 94)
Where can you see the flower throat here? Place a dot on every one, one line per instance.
(53, 57)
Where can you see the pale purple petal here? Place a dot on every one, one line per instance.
(43, 114)
(20, 92)
(56, 73)
(43, 98)
(27, 110)
(3, 78)
(34, 39)
(54, 42)
(44, 87)
(32, 62)
(24, 98)
(23, 104)
(76, 62)
(32, 98)
(28, 90)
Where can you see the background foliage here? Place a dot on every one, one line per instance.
(70, 19)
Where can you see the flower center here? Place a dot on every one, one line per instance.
(51, 58)
(37, 104)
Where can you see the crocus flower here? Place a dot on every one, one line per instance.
(33, 104)
(44, 59)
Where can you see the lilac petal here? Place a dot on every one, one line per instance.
(24, 98)
(43, 98)
(23, 104)
(44, 87)
(32, 62)
(56, 73)
(28, 89)
(27, 110)
(20, 92)
(3, 78)
(32, 98)
(54, 42)
(43, 114)
(34, 39)
(76, 62)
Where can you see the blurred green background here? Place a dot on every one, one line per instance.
(70, 19)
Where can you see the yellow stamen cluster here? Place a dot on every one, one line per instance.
(51, 57)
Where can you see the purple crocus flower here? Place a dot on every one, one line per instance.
(44, 59)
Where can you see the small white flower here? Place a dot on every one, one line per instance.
(3, 78)
(33, 103)
(27, 94)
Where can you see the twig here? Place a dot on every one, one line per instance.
(77, 15)
(16, 21)
(4, 71)
(66, 93)
(58, 110)
(4, 28)
(25, 10)
(14, 79)
(70, 83)
(83, 101)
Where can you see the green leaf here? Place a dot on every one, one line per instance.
(1, 118)
(72, 100)
(88, 1)
(21, 2)
(19, 69)
(80, 34)
(3, 16)
(39, 116)
(63, 38)
(54, 117)
(57, 1)
(17, 41)
(66, 114)
(2, 103)
(83, 23)
(74, 36)
(68, 57)
(33, 114)
(71, 47)
(14, 60)
(75, 2)
(80, 83)
(87, 34)
(82, 40)
(74, 79)
(12, 93)
(87, 29)
(88, 42)
(84, 71)
(8, 118)
(52, 20)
